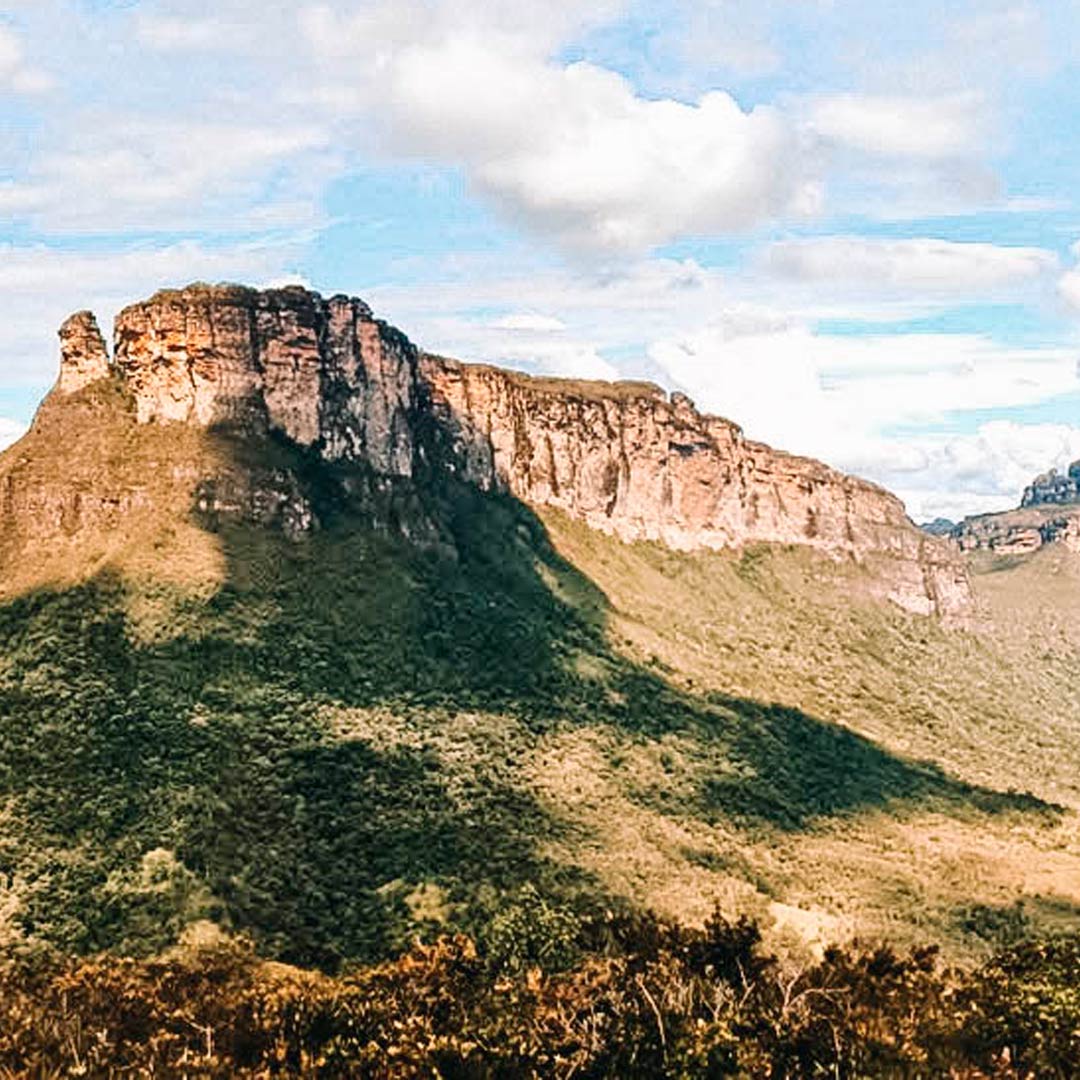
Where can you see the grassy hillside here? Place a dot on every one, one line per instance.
(335, 743)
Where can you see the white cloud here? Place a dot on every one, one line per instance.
(130, 175)
(931, 129)
(955, 475)
(926, 264)
(596, 165)
(1069, 287)
(16, 75)
(565, 360)
(611, 310)
(1069, 282)
(528, 321)
(574, 151)
(10, 430)
(787, 384)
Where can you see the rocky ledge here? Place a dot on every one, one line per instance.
(1020, 532)
(625, 458)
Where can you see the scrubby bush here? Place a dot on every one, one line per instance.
(657, 1000)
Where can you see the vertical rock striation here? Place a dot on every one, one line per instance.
(629, 461)
(624, 458)
(323, 373)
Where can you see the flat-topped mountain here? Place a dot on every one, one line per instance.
(1049, 513)
(348, 390)
(333, 643)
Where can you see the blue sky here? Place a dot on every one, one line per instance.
(849, 226)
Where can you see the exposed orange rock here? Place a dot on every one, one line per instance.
(83, 356)
(1049, 513)
(625, 458)
(631, 462)
(323, 373)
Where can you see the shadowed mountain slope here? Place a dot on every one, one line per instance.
(248, 680)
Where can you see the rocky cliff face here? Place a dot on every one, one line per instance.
(1054, 489)
(631, 462)
(326, 377)
(1049, 513)
(323, 373)
(1020, 532)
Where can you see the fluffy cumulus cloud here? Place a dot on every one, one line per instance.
(572, 149)
(598, 165)
(580, 155)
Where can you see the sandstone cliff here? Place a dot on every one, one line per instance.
(1020, 532)
(1049, 513)
(629, 461)
(328, 379)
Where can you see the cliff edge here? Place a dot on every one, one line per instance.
(327, 379)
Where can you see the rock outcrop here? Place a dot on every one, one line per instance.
(1052, 488)
(323, 373)
(1020, 532)
(326, 377)
(629, 461)
(1049, 513)
(84, 358)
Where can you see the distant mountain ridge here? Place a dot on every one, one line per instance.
(329, 378)
(1049, 513)
(1054, 488)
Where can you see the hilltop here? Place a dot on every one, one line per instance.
(314, 637)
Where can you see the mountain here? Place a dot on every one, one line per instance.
(354, 395)
(938, 527)
(1049, 513)
(314, 637)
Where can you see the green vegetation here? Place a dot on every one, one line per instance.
(336, 744)
(350, 741)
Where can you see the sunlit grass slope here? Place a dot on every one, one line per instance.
(335, 743)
